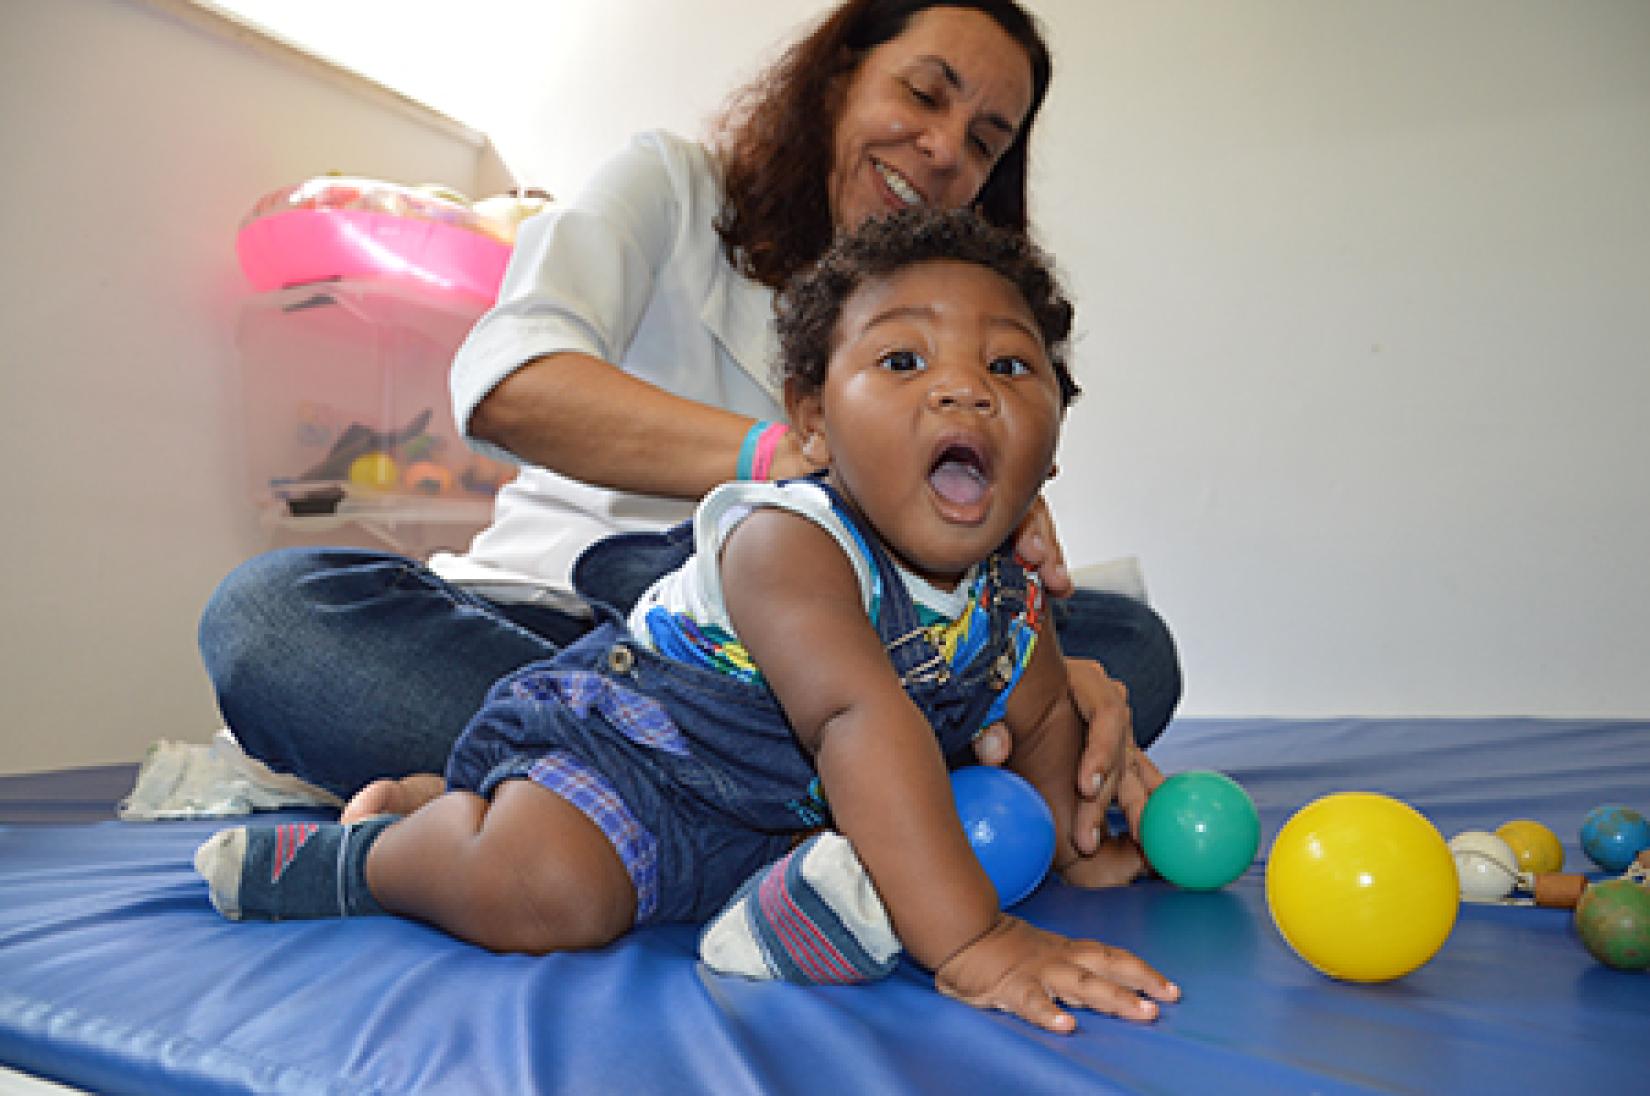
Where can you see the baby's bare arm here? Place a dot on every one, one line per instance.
(796, 606)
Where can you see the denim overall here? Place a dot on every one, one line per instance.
(695, 775)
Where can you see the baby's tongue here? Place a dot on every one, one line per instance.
(957, 482)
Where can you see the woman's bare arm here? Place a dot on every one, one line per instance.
(589, 420)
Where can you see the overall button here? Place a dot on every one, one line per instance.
(620, 659)
(1002, 671)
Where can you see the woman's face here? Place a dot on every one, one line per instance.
(926, 116)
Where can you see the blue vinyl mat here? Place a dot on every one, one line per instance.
(117, 976)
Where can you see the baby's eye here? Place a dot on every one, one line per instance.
(901, 361)
(1008, 366)
(921, 95)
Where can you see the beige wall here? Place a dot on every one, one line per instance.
(136, 136)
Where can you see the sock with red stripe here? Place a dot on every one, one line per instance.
(812, 916)
(291, 871)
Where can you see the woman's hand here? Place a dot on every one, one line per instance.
(1038, 550)
(1032, 973)
(1111, 767)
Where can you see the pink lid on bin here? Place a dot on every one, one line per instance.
(335, 227)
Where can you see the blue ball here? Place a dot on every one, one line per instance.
(1612, 836)
(1009, 827)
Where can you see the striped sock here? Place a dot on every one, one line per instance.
(812, 916)
(292, 871)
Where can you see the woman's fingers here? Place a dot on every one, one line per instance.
(993, 745)
(1039, 550)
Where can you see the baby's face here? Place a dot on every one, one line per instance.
(939, 415)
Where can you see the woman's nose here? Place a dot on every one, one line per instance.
(942, 140)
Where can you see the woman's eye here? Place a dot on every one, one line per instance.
(901, 361)
(983, 147)
(1010, 367)
(926, 98)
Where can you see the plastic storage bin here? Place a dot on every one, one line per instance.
(348, 418)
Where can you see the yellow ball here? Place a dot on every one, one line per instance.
(1537, 847)
(1362, 886)
(376, 471)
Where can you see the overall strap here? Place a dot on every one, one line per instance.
(956, 699)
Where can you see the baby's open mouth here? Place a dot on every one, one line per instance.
(959, 475)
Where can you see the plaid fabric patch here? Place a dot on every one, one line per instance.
(595, 798)
(639, 718)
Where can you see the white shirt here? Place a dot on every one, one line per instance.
(695, 590)
(632, 272)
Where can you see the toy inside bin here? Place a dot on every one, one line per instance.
(347, 404)
(365, 290)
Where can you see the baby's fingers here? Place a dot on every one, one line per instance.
(1045, 999)
(1124, 970)
(1078, 987)
(1032, 1001)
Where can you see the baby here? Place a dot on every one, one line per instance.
(821, 651)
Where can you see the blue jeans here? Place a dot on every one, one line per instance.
(342, 665)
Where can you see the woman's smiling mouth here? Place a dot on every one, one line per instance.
(901, 187)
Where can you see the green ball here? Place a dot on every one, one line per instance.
(1614, 921)
(1200, 830)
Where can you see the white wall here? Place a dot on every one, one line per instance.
(1364, 303)
(1362, 292)
(1367, 304)
(135, 138)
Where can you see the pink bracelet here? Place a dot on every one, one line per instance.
(761, 443)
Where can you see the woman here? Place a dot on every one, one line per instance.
(626, 368)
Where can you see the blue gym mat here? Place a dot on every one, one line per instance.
(117, 976)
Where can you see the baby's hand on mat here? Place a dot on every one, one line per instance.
(1024, 970)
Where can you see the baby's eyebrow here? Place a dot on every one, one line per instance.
(1018, 324)
(901, 312)
(928, 312)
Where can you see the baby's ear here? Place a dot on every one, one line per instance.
(806, 411)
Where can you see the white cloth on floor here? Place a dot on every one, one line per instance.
(179, 780)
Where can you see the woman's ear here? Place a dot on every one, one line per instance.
(807, 414)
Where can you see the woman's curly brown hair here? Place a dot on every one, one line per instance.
(810, 306)
(775, 139)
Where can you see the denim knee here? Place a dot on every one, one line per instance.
(255, 610)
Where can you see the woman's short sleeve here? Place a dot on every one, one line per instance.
(583, 272)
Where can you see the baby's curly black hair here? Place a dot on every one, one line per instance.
(810, 305)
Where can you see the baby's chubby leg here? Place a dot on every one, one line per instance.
(524, 872)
